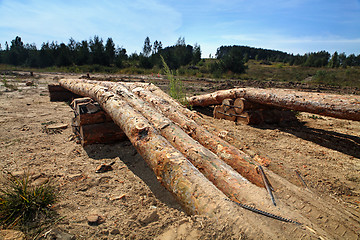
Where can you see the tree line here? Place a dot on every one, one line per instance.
(312, 59)
(97, 52)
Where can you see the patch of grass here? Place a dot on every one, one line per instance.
(24, 205)
(8, 85)
(47, 123)
(315, 117)
(176, 86)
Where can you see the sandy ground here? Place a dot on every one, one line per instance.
(132, 204)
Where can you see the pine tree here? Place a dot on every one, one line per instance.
(147, 47)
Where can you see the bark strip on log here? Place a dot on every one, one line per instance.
(333, 105)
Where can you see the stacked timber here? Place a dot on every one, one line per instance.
(93, 125)
(333, 105)
(241, 110)
(59, 94)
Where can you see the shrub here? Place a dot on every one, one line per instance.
(24, 204)
(175, 85)
(324, 77)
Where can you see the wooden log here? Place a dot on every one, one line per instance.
(333, 105)
(230, 114)
(214, 98)
(227, 103)
(219, 112)
(250, 118)
(241, 105)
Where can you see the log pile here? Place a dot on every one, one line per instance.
(241, 110)
(333, 105)
(200, 169)
(93, 125)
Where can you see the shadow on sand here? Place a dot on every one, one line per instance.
(344, 143)
(129, 156)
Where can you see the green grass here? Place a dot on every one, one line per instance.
(175, 85)
(9, 86)
(256, 71)
(23, 205)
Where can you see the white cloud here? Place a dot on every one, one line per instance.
(125, 21)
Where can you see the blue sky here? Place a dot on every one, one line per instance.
(293, 26)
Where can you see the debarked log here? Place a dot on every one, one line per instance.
(333, 105)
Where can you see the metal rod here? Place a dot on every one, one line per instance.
(267, 214)
(301, 179)
(231, 114)
(268, 188)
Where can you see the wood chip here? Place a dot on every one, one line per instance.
(57, 126)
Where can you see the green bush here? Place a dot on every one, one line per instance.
(24, 204)
(176, 86)
(324, 77)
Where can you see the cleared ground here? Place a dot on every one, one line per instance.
(324, 151)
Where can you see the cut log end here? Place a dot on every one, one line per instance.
(219, 112)
(227, 103)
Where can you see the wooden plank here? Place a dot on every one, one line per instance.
(101, 133)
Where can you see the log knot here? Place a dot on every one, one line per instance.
(141, 131)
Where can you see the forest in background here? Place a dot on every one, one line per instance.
(234, 62)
